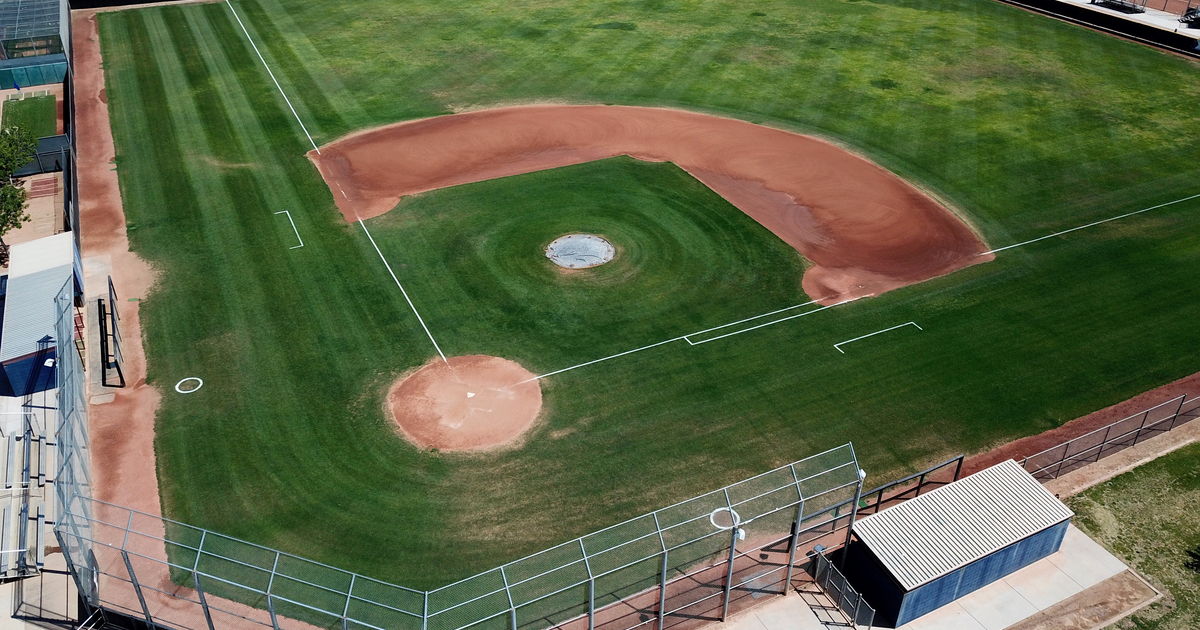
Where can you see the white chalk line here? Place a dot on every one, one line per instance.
(837, 346)
(696, 343)
(406, 298)
(277, 86)
(1093, 224)
(289, 216)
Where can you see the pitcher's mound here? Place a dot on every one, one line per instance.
(474, 403)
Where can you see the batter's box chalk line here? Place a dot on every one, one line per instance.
(837, 346)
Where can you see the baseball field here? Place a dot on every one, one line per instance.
(300, 321)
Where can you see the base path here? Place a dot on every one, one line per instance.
(465, 403)
(866, 230)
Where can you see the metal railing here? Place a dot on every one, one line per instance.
(912, 486)
(1120, 435)
(841, 593)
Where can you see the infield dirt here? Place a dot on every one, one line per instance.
(866, 230)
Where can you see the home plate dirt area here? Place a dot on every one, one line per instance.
(866, 230)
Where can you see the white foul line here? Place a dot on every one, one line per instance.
(878, 332)
(1121, 216)
(277, 86)
(289, 216)
(406, 298)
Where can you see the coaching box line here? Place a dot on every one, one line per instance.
(683, 337)
(289, 216)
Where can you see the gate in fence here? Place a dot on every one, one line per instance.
(841, 593)
(1116, 437)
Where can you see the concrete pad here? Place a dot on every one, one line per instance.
(949, 617)
(997, 606)
(1084, 560)
(785, 613)
(1043, 584)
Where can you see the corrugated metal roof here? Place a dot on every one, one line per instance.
(37, 271)
(934, 534)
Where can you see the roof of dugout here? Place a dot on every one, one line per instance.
(935, 534)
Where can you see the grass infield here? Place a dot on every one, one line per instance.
(1025, 125)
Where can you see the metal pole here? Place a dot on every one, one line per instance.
(733, 531)
(137, 588)
(511, 608)
(591, 588)
(346, 609)
(425, 612)
(662, 579)
(794, 539)
(862, 474)
(270, 583)
(958, 469)
(203, 601)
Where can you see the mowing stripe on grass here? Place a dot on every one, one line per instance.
(406, 298)
(264, 62)
(1094, 223)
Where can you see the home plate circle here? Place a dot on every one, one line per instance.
(580, 251)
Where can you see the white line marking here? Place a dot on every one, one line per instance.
(782, 319)
(695, 343)
(878, 332)
(1122, 216)
(289, 216)
(264, 63)
(406, 298)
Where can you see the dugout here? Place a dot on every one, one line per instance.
(37, 272)
(927, 552)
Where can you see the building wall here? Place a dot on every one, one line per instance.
(942, 591)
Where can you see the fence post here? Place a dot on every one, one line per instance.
(662, 579)
(425, 612)
(862, 474)
(1137, 436)
(137, 588)
(511, 608)
(733, 531)
(271, 583)
(203, 600)
(591, 587)
(346, 609)
(794, 539)
(920, 484)
(958, 469)
(1178, 410)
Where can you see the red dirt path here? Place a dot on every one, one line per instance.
(866, 230)
(467, 404)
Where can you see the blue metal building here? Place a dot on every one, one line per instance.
(914, 558)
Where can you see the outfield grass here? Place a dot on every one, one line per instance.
(37, 115)
(1148, 518)
(1026, 125)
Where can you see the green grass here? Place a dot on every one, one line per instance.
(37, 115)
(1148, 518)
(1025, 124)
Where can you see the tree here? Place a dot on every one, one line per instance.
(17, 148)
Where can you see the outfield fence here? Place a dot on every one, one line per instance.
(693, 561)
(1118, 436)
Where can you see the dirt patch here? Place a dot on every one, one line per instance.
(1035, 444)
(1095, 607)
(866, 230)
(466, 404)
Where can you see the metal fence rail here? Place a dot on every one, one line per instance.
(1105, 441)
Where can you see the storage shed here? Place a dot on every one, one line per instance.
(929, 551)
(37, 272)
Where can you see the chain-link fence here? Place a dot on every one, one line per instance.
(698, 559)
(1118, 436)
